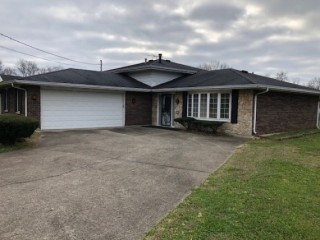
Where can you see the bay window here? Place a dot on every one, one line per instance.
(210, 106)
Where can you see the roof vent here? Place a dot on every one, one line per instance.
(168, 61)
(244, 71)
(160, 57)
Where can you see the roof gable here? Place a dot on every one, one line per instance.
(163, 65)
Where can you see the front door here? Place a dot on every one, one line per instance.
(166, 104)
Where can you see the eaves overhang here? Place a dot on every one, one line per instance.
(159, 90)
(239, 87)
(72, 85)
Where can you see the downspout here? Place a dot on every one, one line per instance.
(255, 110)
(25, 98)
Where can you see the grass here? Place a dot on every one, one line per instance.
(269, 189)
(292, 134)
(28, 143)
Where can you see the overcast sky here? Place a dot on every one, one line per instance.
(264, 37)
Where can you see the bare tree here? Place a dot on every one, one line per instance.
(214, 65)
(1, 67)
(314, 83)
(9, 71)
(282, 76)
(27, 68)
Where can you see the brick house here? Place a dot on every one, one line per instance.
(158, 91)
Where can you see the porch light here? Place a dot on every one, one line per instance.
(34, 97)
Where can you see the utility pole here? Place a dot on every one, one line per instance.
(100, 65)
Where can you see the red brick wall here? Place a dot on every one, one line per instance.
(138, 108)
(279, 112)
(33, 101)
(12, 101)
(33, 104)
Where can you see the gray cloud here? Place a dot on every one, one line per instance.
(220, 15)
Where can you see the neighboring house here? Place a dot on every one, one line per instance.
(158, 91)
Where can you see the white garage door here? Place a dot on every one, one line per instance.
(61, 109)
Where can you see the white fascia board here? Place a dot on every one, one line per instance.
(247, 86)
(293, 90)
(204, 88)
(81, 86)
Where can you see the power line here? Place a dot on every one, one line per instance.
(30, 55)
(69, 59)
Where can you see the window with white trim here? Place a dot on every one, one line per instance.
(19, 97)
(210, 106)
(5, 104)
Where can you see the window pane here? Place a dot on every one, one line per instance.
(203, 105)
(189, 105)
(225, 105)
(213, 105)
(195, 105)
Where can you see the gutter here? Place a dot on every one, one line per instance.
(159, 90)
(82, 86)
(255, 110)
(25, 98)
(246, 86)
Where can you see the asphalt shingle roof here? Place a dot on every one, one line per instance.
(86, 77)
(155, 64)
(9, 77)
(217, 78)
(226, 77)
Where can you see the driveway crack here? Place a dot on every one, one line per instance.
(57, 175)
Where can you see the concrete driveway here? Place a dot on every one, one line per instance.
(103, 184)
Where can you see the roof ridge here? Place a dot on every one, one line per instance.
(237, 72)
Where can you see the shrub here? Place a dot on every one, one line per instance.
(199, 125)
(206, 126)
(13, 127)
(185, 121)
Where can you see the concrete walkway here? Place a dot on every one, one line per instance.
(103, 184)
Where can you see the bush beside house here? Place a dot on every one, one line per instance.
(199, 125)
(14, 127)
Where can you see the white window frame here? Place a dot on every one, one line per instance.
(190, 114)
(6, 109)
(17, 103)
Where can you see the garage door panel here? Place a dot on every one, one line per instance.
(71, 109)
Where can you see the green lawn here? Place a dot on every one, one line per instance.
(269, 189)
(28, 143)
